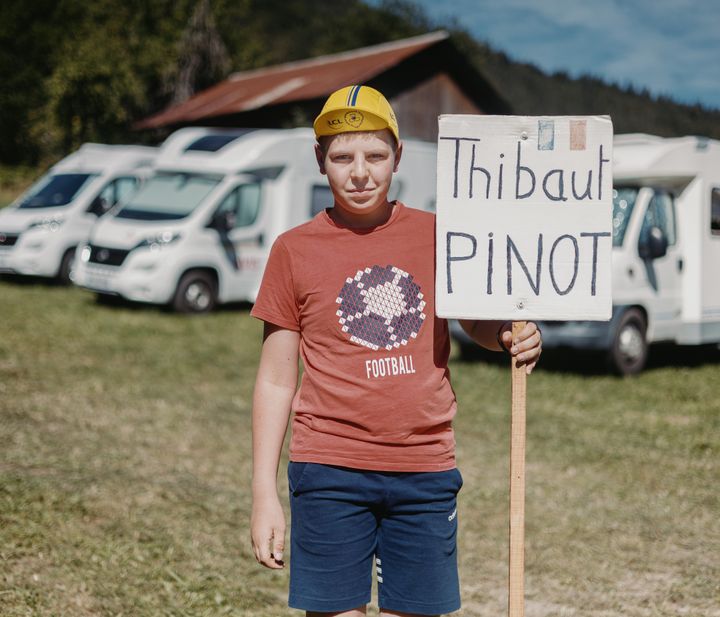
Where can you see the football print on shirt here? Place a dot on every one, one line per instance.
(381, 308)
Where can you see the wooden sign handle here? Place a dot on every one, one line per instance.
(516, 584)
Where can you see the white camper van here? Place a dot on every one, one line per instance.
(666, 252)
(41, 229)
(200, 230)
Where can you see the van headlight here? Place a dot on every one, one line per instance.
(158, 241)
(47, 224)
(85, 254)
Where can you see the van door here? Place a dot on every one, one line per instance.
(114, 191)
(663, 273)
(243, 240)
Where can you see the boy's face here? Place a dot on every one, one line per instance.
(359, 167)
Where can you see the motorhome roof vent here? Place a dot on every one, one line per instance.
(212, 143)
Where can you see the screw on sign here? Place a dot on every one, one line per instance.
(523, 232)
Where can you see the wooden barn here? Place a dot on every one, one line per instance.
(422, 77)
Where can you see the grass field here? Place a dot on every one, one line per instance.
(125, 469)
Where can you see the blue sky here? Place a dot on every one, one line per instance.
(671, 47)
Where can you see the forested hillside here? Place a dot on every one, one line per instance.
(74, 71)
(530, 91)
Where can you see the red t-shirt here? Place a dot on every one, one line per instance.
(375, 392)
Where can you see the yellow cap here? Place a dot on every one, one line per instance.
(356, 108)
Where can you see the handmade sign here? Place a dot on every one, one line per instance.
(524, 217)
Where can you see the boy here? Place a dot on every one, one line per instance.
(372, 474)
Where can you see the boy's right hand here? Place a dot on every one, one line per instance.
(267, 530)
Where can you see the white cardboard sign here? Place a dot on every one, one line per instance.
(524, 217)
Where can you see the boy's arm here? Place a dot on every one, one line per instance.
(274, 390)
(497, 336)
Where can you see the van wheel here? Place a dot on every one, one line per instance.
(196, 293)
(66, 266)
(629, 350)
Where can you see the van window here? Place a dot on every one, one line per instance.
(244, 201)
(320, 198)
(624, 198)
(116, 191)
(54, 190)
(168, 196)
(660, 213)
(124, 187)
(215, 142)
(715, 212)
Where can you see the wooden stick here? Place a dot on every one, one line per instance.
(516, 585)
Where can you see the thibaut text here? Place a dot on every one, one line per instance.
(479, 180)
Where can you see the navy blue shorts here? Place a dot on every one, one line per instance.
(345, 520)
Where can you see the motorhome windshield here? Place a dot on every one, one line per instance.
(169, 196)
(623, 203)
(53, 191)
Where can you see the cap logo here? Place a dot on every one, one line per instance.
(335, 123)
(354, 118)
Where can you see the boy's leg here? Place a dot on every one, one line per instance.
(417, 553)
(332, 539)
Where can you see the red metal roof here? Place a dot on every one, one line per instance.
(294, 81)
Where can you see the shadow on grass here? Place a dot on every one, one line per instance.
(22, 280)
(687, 356)
(116, 302)
(594, 363)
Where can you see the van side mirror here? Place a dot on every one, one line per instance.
(223, 221)
(654, 245)
(99, 206)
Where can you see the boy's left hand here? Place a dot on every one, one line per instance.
(527, 345)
